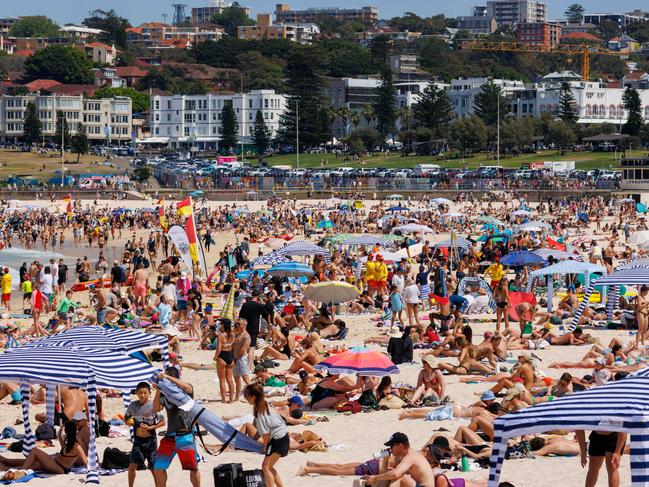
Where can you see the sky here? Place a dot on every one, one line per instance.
(138, 11)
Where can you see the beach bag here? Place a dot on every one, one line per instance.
(114, 458)
(252, 478)
(368, 400)
(227, 475)
(45, 431)
(391, 402)
(349, 406)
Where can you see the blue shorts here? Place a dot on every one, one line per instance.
(181, 305)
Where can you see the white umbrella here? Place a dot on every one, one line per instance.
(332, 292)
(413, 228)
(638, 238)
(442, 201)
(535, 226)
(521, 213)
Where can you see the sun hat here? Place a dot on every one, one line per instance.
(430, 360)
(394, 332)
(488, 395)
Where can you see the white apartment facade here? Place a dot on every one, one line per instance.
(104, 120)
(517, 11)
(195, 120)
(595, 102)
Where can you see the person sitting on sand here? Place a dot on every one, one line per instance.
(434, 455)
(467, 361)
(430, 381)
(58, 463)
(523, 372)
(313, 353)
(332, 390)
(281, 344)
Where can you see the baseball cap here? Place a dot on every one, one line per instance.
(397, 439)
(296, 400)
(488, 396)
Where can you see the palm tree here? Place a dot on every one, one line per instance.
(332, 114)
(368, 114)
(355, 119)
(406, 116)
(344, 114)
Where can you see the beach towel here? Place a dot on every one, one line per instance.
(517, 297)
(26, 478)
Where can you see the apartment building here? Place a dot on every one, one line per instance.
(621, 19)
(302, 33)
(517, 11)
(477, 24)
(463, 92)
(366, 38)
(539, 33)
(156, 35)
(203, 15)
(366, 15)
(195, 120)
(104, 119)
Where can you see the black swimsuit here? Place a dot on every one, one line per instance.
(227, 355)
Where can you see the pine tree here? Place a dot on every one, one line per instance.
(567, 105)
(261, 133)
(80, 142)
(384, 109)
(633, 105)
(575, 13)
(304, 88)
(32, 129)
(487, 101)
(62, 125)
(229, 128)
(434, 109)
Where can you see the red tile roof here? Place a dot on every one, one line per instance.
(177, 43)
(130, 72)
(24, 52)
(97, 44)
(635, 75)
(74, 90)
(41, 84)
(583, 36)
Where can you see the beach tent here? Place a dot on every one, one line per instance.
(565, 267)
(460, 242)
(476, 281)
(413, 228)
(297, 248)
(629, 276)
(619, 406)
(367, 241)
(77, 367)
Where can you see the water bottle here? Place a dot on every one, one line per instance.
(465, 464)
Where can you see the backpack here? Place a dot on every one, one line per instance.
(45, 431)
(114, 458)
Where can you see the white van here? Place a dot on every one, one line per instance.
(426, 169)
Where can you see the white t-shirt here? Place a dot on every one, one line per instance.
(46, 284)
(398, 281)
(411, 294)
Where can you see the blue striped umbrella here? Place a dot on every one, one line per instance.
(290, 269)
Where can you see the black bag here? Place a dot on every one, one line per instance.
(252, 478)
(16, 447)
(227, 475)
(45, 431)
(114, 458)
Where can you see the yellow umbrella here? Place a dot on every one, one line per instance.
(228, 307)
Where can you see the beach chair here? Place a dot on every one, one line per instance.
(517, 297)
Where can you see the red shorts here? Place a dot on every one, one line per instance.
(183, 446)
(439, 299)
(6, 297)
(139, 290)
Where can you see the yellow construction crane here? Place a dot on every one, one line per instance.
(583, 50)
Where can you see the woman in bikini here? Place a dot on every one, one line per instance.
(501, 296)
(642, 315)
(59, 463)
(467, 361)
(282, 345)
(313, 353)
(224, 358)
(430, 381)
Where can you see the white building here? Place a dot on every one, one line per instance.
(517, 11)
(183, 120)
(104, 119)
(595, 102)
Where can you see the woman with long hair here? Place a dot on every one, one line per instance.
(224, 358)
(271, 429)
(59, 463)
(501, 297)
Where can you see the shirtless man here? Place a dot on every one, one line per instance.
(140, 285)
(412, 468)
(73, 401)
(575, 337)
(554, 446)
(524, 371)
(240, 349)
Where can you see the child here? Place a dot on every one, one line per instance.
(145, 421)
(396, 304)
(26, 288)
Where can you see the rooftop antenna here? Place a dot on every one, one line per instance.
(179, 13)
(164, 17)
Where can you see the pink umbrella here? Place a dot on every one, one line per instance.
(359, 360)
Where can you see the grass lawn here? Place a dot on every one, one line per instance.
(43, 166)
(583, 160)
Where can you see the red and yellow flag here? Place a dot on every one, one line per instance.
(184, 207)
(161, 215)
(192, 237)
(68, 208)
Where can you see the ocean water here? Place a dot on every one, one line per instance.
(14, 257)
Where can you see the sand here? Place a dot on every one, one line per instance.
(356, 437)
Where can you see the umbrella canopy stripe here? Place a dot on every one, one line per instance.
(297, 248)
(290, 269)
(522, 258)
(359, 360)
(367, 240)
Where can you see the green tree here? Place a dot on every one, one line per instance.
(371, 137)
(61, 63)
(113, 26)
(561, 134)
(575, 13)
(79, 142)
(344, 58)
(517, 133)
(633, 105)
(368, 114)
(609, 29)
(434, 109)
(32, 129)
(261, 133)
(487, 102)
(173, 79)
(567, 105)
(142, 173)
(62, 131)
(260, 73)
(304, 89)
(230, 128)
(468, 134)
(380, 48)
(231, 18)
(384, 107)
(35, 26)
(140, 100)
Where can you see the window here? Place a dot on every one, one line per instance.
(157, 104)
(265, 103)
(168, 117)
(250, 103)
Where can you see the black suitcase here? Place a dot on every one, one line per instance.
(252, 478)
(227, 475)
